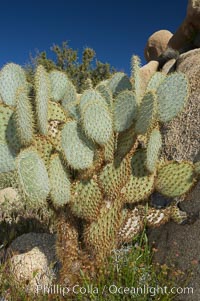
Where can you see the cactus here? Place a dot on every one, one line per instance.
(12, 77)
(24, 117)
(32, 176)
(84, 155)
(172, 96)
(174, 179)
(153, 149)
(59, 182)
(125, 110)
(42, 87)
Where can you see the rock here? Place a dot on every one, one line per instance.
(31, 259)
(169, 66)
(146, 72)
(184, 36)
(181, 136)
(178, 246)
(157, 44)
(9, 203)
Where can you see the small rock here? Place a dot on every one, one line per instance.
(169, 66)
(146, 72)
(31, 259)
(157, 44)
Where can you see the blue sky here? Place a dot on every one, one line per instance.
(114, 29)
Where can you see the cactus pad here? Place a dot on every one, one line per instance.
(86, 199)
(59, 84)
(153, 150)
(32, 177)
(12, 77)
(77, 149)
(147, 113)
(114, 177)
(24, 117)
(56, 112)
(125, 110)
(7, 158)
(97, 122)
(172, 96)
(59, 182)
(174, 179)
(42, 86)
(141, 183)
(155, 81)
(118, 83)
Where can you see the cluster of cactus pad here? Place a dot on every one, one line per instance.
(94, 156)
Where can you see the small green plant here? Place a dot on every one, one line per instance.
(94, 157)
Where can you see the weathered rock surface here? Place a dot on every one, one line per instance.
(182, 135)
(32, 258)
(157, 44)
(185, 36)
(179, 246)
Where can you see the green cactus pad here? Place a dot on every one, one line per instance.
(91, 96)
(109, 149)
(72, 110)
(70, 95)
(77, 149)
(153, 150)
(125, 110)
(97, 122)
(118, 83)
(43, 147)
(86, 199)
(24, 117)
(59, 85)
(135, 75)
(155, 81)
(172, 96)
(8, 128)
(100, 235)
(105, 93)
(114, 177)
(5, 116)
(59, 182)
(32, 177)
(56, 112)
(147, 113)
(141, 183)
(12, 77)
(42, 86)
(175, 179)
(125, 142)
(7, 158)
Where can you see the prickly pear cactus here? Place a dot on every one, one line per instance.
(95, 157)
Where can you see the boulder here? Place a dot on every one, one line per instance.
(169, 66)
(31, 258)
(157, 44)
(146, 72)
(178, 246)
(184, 38)
(181, 136)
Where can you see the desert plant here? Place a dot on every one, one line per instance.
(94, 156)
